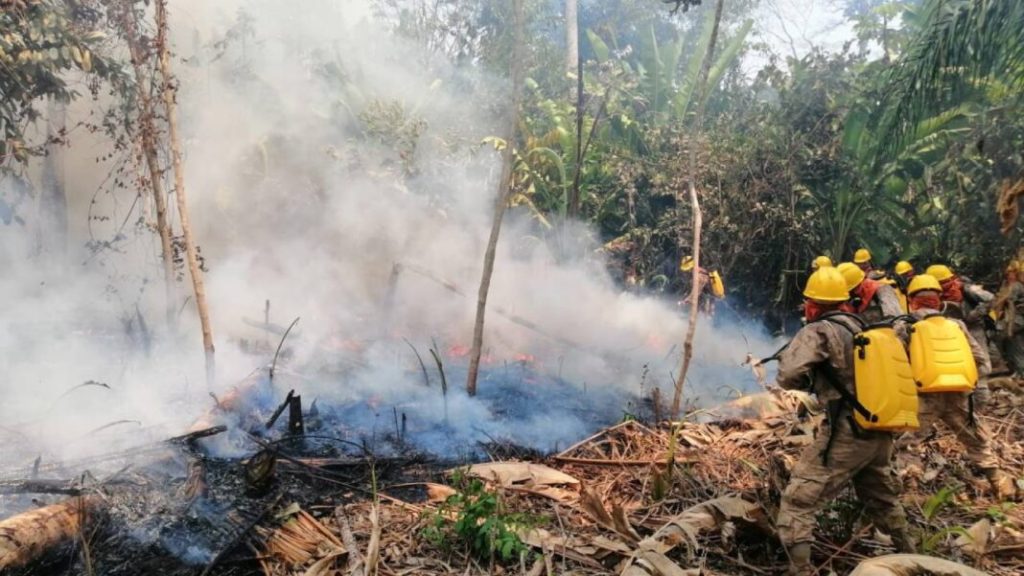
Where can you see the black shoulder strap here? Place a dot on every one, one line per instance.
(832, 377)
(848, 396)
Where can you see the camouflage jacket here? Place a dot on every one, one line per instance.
(819, 357)
(975, 306)
(885, 304)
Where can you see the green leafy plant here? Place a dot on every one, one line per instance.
(937, 501)
(662, 479)
(474, 519)
(930, 543)
(839, 519)
(997, 513)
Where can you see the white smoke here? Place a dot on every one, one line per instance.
(296, 201)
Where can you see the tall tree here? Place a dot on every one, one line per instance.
(191, 255)
(147, 131)
(53, 196)
(501, 202)
(572, 42)
(696, 284)
(574, 69)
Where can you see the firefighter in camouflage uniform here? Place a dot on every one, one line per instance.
(955, 409)
(821, 358)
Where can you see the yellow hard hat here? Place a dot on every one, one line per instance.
(941, 272)
(861, 256)
(821, 262)
(686, 264)
(827, 285)
(902, 267)
(852, 274)
(923, 282)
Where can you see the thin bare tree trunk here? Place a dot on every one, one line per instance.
(53, 197)
(501, 202)
(191, 256)
(147, 130)
(572, 40)
(574, 66)
(695, 288)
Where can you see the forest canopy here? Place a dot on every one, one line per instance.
(900, 137)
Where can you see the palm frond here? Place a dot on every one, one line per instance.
(960, 43)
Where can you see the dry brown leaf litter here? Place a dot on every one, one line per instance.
(720, 494)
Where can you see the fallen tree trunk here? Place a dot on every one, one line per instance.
(27, 536)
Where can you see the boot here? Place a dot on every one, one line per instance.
(1004, 487)
(903, 541)
(800, 560)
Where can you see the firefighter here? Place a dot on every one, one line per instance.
(870, 299)
(961, 297)
(821, 355)
(1008, 310)
(955, 409)
(903, 273)
(862, 258)
(964, 300)
(711, 286)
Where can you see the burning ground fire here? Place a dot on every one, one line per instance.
(328, 418)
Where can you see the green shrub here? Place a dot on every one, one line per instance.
(474, 519)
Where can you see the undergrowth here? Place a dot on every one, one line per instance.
(475, 520)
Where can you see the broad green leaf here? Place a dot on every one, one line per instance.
(598, 45)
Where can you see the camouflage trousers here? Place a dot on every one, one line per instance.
(952, 411)
(863, 459)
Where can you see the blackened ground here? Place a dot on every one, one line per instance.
(192, 510)
(152, 527)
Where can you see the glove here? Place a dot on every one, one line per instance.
(981, 397)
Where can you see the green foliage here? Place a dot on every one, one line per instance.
(839, 518)
(937, 501)
(662, 478)
(930, 544)
(959, 43)
(390, 125)
(998, 512)
(796, 162)
(41, 43)
(475, 520)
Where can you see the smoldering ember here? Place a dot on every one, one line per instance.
(397, 287)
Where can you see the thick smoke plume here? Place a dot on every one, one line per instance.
(320, 153)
